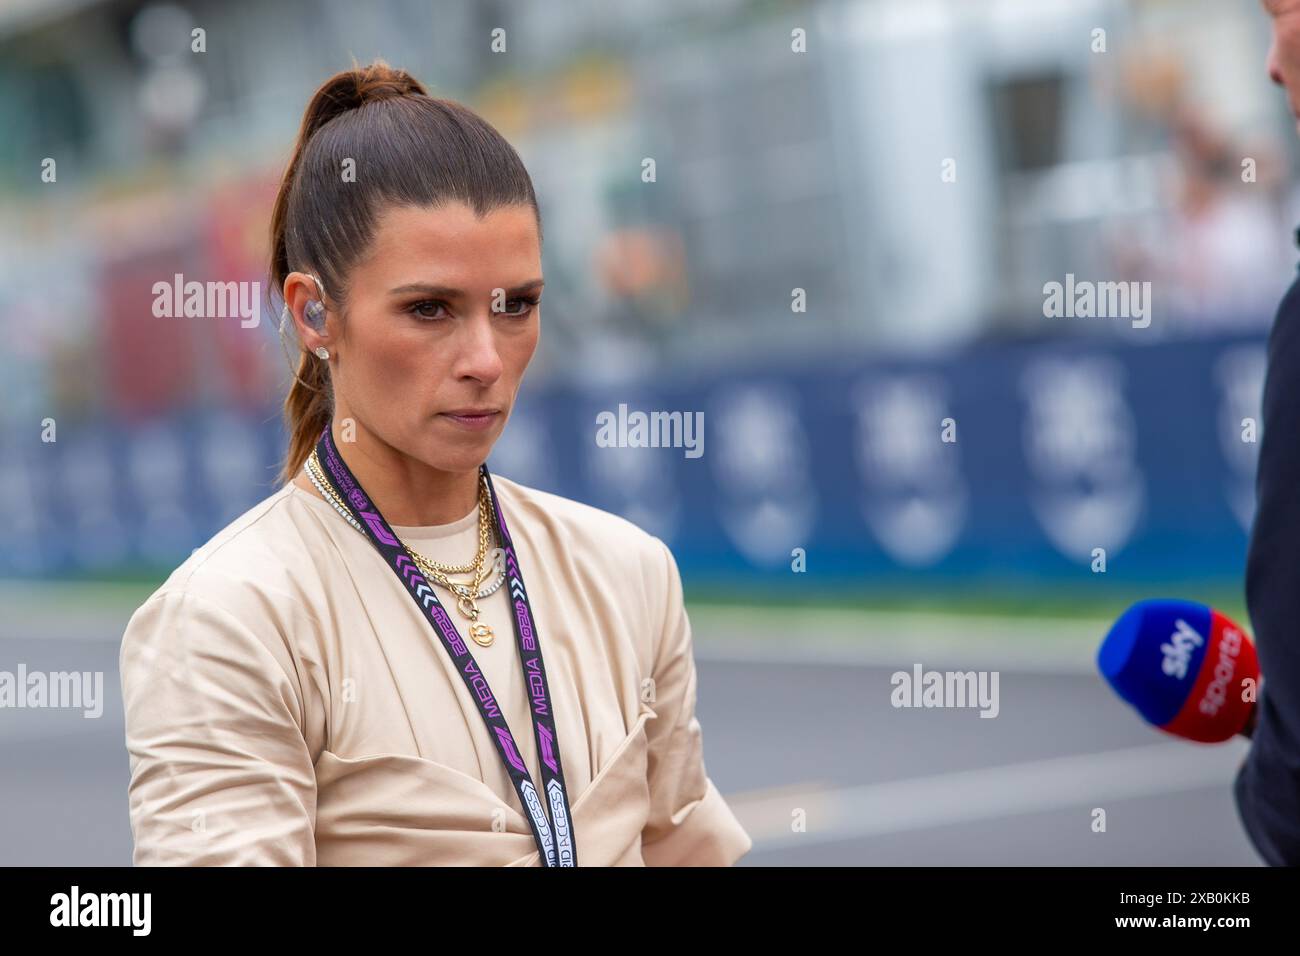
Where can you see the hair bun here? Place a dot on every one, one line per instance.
(356, 87)
(379, 81)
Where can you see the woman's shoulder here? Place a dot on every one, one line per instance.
(611, 554)
(574, 520)
(247, 564)
(583, 529)
(224, 625)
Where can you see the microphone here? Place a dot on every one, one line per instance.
(1183, 666)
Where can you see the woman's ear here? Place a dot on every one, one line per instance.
(303, 297)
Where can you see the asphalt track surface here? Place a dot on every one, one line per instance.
(800, 735)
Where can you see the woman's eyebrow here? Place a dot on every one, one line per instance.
(429, 288)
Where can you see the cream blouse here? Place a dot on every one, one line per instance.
(288, 704)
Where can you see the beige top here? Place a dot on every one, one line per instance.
(288, 704)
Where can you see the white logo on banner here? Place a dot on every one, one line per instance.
(760, 453)
(916, 502)
(639, 478)
(1080, 447)
(1240, 374)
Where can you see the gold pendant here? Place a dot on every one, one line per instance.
(481, 634)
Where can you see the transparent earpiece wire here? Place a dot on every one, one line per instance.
(284, 318)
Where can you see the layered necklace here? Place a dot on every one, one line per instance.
(467, 594)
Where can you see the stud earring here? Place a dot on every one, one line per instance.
(322, 352)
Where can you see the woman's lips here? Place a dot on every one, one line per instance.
(472, 422)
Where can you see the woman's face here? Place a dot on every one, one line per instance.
(441, 318)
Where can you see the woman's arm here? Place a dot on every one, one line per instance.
(690, 824)
(221, 774)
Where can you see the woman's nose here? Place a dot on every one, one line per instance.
(479, 357)
(1274, 73)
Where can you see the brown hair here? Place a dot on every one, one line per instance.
(409, 149)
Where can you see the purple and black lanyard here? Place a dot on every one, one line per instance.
(555, 845)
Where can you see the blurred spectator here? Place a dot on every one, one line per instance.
(1220, 258)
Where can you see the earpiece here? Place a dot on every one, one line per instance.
(315, 311)
(315, 314)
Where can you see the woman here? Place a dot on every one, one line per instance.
(352, 672)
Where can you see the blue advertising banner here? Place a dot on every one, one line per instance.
(1034, 462)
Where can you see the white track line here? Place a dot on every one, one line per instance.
(1082, 780)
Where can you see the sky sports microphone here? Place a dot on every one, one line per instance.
(1185, 667)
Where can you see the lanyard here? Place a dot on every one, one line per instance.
(555, 846)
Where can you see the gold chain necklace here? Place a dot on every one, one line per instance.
(466, 595)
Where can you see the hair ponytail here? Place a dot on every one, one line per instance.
(409, 148)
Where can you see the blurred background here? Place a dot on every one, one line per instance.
(840, 259)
